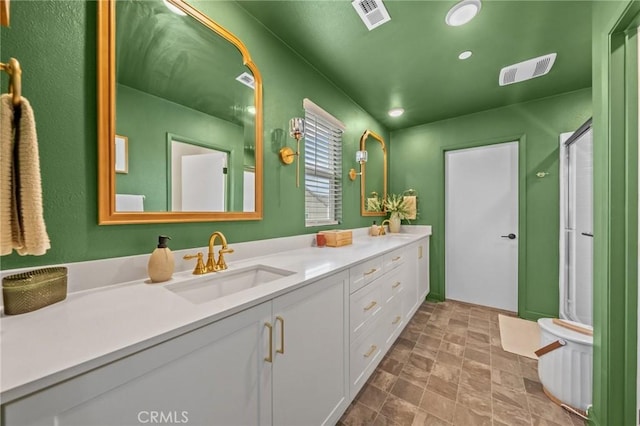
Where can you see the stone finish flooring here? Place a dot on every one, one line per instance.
(448, 368)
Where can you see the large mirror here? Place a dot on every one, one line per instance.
(180, 117)
(373, 183)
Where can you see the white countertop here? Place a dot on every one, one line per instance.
(92, 327)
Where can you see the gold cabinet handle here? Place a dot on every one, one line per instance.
(395, 259)
(396, 284)
(370, 306)
(419, 252)
(281, 350)
(371, 351)
(269, 358)
(371, 271)
(397, 320)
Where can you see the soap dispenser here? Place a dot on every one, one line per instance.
(374, 230)
(161, 262)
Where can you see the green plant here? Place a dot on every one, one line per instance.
(374, 203)
(394, 204)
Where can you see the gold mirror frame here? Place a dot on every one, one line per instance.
(107, 215)
(363, 166)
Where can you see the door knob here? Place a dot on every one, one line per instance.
(510, 236)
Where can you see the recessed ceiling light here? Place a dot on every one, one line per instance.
(465, 55)
(462, 12)
(174, 8)
(396, 112)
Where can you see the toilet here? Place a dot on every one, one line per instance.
(565, 357)
(566, 369)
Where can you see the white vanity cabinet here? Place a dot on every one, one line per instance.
(379, 309)
(293, 353)
(213, 375)
(310, 362)
(404, 260)
(282, 362)
(396, 287)
(423, 268)
(366, 311)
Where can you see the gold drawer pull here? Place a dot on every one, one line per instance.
(419, 252)
(397, 320)
(396, 258)
(269, 358)
(396, 284)
(371, 305)
(371, 351)
(371, 271)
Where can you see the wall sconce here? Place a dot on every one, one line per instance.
(296, 130)
(361, 157)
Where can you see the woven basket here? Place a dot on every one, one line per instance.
(28, 291)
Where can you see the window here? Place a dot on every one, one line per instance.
(323, 166)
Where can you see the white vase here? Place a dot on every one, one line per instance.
(394, 223)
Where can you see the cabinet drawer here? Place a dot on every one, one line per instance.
(393, 284)
(394, 259)
(366, 352)
(365, 305)
(392, 321)
(362, 274)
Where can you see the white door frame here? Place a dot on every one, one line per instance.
(521, 231)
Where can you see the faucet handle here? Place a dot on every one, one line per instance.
(200, 268)
(221, 264)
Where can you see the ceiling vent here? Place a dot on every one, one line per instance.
(372, 12)
(526, 70)
(246, 79)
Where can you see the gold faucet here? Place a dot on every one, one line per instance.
(212, 265)
(382, 231)
(220, 264)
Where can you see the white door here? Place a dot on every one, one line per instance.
(249, 191)
(204, 182)
(481, 225)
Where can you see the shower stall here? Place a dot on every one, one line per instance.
(565, 368)
(576, 225)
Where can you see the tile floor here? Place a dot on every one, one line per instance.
(448, 368)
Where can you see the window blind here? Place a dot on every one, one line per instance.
(323, 167)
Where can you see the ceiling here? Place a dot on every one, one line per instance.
(412, 61)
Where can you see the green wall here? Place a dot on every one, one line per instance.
(146, 119)
(417, 161)
(615, 124)
(55, 43)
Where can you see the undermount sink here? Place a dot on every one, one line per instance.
(215, 285)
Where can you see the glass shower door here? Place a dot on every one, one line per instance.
(579, 228)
